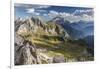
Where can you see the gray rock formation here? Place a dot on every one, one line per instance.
(25, 52)
(58, 59)
(33, 24)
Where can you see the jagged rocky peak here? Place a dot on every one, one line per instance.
(36, 21)
(36, 25)
(29, 24)
(19, 20)
(29, 20)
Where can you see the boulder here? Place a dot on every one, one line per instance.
(58, 59)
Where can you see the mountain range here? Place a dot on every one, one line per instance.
(59, 25)
(78, 30)
(52, 41)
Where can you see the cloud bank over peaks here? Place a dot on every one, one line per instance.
(73, 17)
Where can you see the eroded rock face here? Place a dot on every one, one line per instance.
(34, 24)
(25, 52)
(23, 29)
(18, 40)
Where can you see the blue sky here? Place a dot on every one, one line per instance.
(47, 12)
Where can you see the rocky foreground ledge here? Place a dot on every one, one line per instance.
(27, 53)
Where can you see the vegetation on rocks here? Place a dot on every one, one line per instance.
(39, 43)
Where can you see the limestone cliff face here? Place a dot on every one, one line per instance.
(26, 53)
(35, 25)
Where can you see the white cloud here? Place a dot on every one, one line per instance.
(45, 14)
(87, 17)
(72, 17)
(76, 18)
(64, 14)
(43, 6)
(83, 11)
(31, 10)
(37, 13)
(53, 13)
(41, 10)
(31, 6)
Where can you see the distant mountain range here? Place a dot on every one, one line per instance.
(86, 27)
(77, 29)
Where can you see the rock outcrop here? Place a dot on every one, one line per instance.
(25, 51)
(59, 59)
